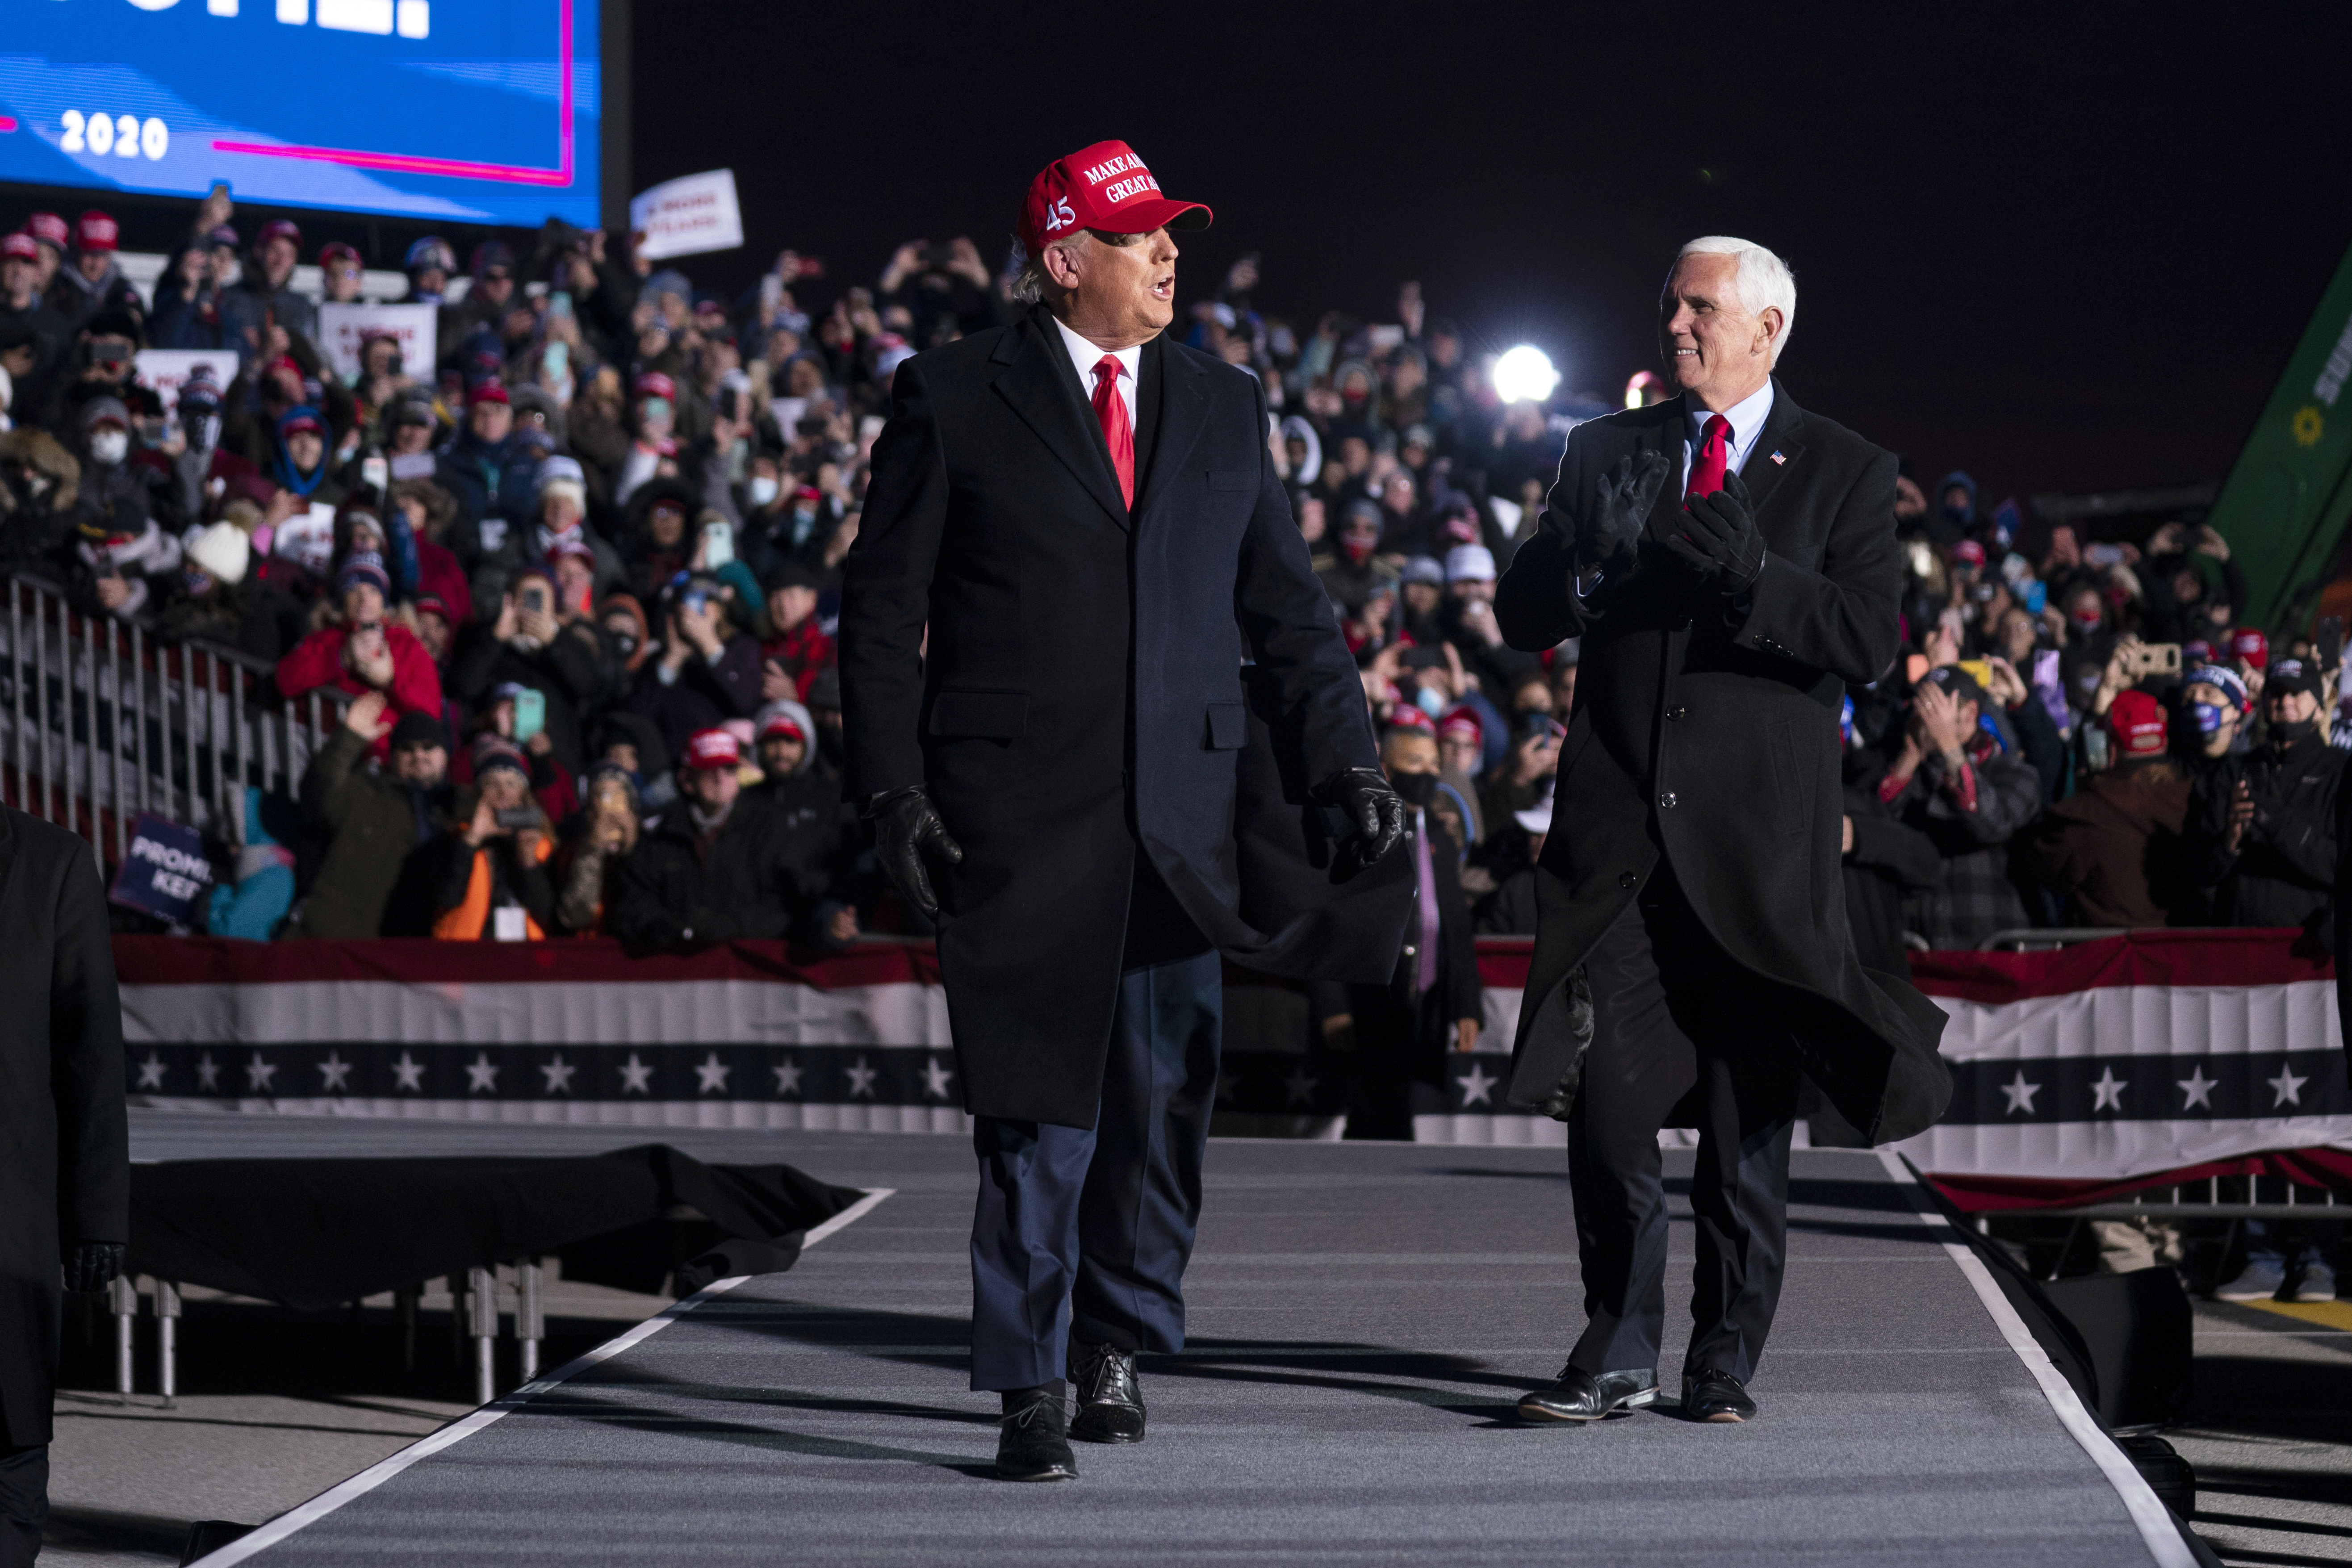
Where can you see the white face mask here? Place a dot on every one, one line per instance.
(108, 447)
(763, 489)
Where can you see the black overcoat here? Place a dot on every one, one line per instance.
(1706, 730)
(1097, 681)
(64, 1140)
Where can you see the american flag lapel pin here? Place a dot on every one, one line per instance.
(1779, 457)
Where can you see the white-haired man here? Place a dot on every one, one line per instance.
(1730, 564)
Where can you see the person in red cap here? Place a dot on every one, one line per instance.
(94, 285)
(1734, 559)
(712, 868)
(2114, 850)
(55, 236)
(36, 338)
(1075, 505)
(339, 269)
(805, 801)
(263, 296)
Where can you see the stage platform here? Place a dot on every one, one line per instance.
(1363, 1318)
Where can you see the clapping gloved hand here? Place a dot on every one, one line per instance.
(1717, 535)
(1375, 812)
(907, 827)
(92, 1266)
(1621, 503)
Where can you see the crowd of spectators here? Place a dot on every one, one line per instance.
(582, 571)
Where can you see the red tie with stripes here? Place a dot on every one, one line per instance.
(1708, 467)
(1118, 432)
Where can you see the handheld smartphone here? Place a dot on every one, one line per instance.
(2328, 639)
(516, 817)
(535, 596)
(717, 545)
(530, 713)
(375, 473)
(2160, 658)
(559, 303)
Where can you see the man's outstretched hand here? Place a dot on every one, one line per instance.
(93, 1266)
(1375, 812)
(1720, 538)
(907, 827)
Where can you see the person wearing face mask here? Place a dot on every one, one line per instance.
(2214, 709)
(655, 422)
(2263, 823)
(203, 472)
(41, 484)
(1349, 578)
(1395, 1036)
(121, 546)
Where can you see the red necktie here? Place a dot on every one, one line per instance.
(1708, 467)
(1120, 435)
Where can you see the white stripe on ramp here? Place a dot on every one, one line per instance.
(375, 1475)
(2157, 1525)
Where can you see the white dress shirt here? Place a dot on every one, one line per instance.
(1087, 354)
(1746, 417)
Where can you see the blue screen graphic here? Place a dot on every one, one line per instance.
(467, 110)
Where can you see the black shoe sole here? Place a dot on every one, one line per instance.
(1081, 1432)
(1051, 1473)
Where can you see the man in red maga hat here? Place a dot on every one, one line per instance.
(1076, 780)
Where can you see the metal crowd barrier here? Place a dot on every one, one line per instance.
(100, 719)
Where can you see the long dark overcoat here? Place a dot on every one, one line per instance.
(1097, 680)
(64, 1140)
(1705, 731)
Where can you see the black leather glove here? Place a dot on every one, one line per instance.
(907, 826)
(1375, 811)
(1720, 538)
(93, 1266)
(1621, 504)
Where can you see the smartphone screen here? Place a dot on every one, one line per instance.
(718, 546)
(530, 714)
(2329, 638)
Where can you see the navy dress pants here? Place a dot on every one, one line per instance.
(1085, 1232)
(1682, 1037)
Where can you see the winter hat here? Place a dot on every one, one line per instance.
(221, 552)
(364, 566)
(563, 475)
(105, 411)
(201, 389)
(2135, 722)
(1469, 564)
(1424, 568)
(492, 750)
(419, 730)
(2222, 679)
(431, 254)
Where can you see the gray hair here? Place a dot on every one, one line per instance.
(1763, 279)
(1029, 283)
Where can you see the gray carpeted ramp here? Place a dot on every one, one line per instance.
(1363, 1316)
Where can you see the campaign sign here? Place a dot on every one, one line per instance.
(164, 371)
(343, 328)
(165, 872)
(687, 216)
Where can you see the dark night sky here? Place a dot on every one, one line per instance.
(2064, 250)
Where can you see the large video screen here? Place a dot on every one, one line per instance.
(465, 110)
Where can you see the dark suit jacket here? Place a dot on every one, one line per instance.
(64, 1141)
(1085, 691)
(1706, 730)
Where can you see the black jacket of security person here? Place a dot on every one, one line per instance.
(1085, 692)
(676, 889)
(2282, 872)
(64, 1148)
(1706, 731)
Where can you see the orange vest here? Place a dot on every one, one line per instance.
(465, 922)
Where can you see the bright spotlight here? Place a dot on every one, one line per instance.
(1524, 375)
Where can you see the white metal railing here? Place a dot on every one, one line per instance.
(100, 719)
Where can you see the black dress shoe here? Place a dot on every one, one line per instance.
(1581, 1396)
(1110, 1404)
(1715, 1396)
(1036, 1444)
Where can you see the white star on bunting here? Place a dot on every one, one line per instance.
(408, 1073)
(1301, 1087)
(788, 1077)
(1477, 1089)
(558, 1073)
(935, 1078)
(861, 1080)
(713, 1073)
(207, 1072)
(150, 1072)
(2287, 1087)
(636, 1077)
(258, 1073)
(481, 1075)
(334, 1074)
(2021, 1093)
(2109, 1091)
(2198, 1087)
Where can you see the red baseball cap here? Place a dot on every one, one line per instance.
(48, 228)
(278, 228)
(2136, 721)
(492, 391)
(1460, 724)
(1104, 186)
(2251, 646)
(1405, 716)
(1969, 550)
(713, 748)
(654, 384)
(336, 250)
(19, 246)
(96, 231)
(782, 724)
